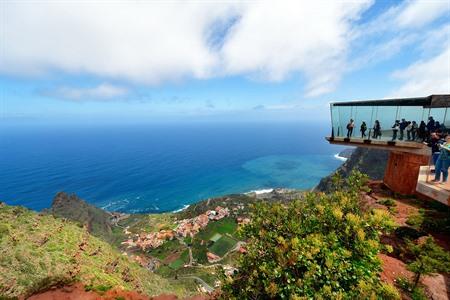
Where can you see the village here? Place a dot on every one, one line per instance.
(185, 228)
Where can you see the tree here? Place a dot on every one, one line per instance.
(323, 246)
(428, 258)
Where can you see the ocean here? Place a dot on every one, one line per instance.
(159, 167)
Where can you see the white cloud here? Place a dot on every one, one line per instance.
(275, 39)
(101, 92)
(425, 77)
(145, 42)
(152, 42)
(421, 12)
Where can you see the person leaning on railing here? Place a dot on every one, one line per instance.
(443, 162)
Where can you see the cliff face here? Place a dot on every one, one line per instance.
(369, 161)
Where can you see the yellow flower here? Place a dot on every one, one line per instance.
(337, 213)
(361, 234)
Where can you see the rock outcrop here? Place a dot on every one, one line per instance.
(73, 208)
(369, 161)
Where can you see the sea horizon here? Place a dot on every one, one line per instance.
(156, 168)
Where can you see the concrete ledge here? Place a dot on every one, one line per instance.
(437, 192)
(401, 146)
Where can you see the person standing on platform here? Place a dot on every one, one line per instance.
(403, 125)
(443, 162)
(350, 127)
(395, 129)
(422, 131)
(363, 129)
(414, 128)
(408, 130)
(376, 130)
(430, 125)
(434, 143)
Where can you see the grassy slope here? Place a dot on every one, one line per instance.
(37, 251)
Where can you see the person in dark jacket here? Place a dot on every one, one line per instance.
(363, 129)
(422, 131)
(430, 125)
(414, 129)
(403, 125)
(395, 129)
(433, 143)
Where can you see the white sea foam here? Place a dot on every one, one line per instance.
(341, 158)
(181, 209)
(258, 192)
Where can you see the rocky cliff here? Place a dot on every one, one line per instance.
(369, 161)
(73, 208)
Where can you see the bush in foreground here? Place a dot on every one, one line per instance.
(321, 247)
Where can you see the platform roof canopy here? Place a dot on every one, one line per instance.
(432, 101)
(387, 111)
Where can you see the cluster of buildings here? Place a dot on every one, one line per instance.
(185, 228)
(150, 240)
(190, 227)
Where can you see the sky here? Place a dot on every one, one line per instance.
(113, 61)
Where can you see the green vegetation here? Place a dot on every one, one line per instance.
(149, 223)
(223, 245)
(73, 208)
(226, 228)
(198, 208)
(321, 247)
(416, 220)
(223, 226)
(39, 251)
(388, 202)
(415, 293)
(387, 291)
(166, 249)
(180, 261)
(428, 258)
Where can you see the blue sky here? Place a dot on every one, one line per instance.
(145, 61)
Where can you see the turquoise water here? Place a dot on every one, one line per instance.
(160, 167)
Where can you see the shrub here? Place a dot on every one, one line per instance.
(388, 202)
(322, 246)
(418, 294)
(416, 220)
(4, 230)
(404, 283)
(428, 258)
(388, 292)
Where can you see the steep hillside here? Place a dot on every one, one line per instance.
(97, 220)
(38, 251)
(369, 161)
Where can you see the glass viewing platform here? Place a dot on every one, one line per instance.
(400, 126)
(386, 113)
(399, 122)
